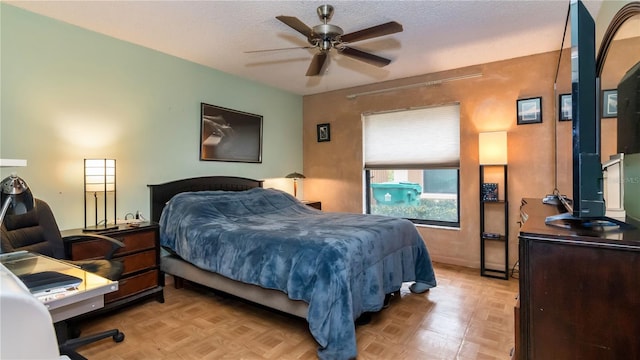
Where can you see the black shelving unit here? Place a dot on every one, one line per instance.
(485, 237)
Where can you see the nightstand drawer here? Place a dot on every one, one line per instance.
(138, 261)
(136, 241)
(133, 285)
(93, 249)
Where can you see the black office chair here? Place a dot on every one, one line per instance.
(37, 231)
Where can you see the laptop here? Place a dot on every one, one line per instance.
(49, 280)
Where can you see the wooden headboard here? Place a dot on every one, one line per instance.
(162, 193)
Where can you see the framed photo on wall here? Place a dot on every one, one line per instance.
(564, 107)
(324, 132)
(529, 110)
(229, 135)
(609, 103)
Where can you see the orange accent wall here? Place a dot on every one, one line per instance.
(487, 103)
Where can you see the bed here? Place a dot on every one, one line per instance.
(263, 245)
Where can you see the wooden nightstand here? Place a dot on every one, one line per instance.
(313, 204)
(140, 255)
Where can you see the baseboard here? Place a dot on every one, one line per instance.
(455, 261)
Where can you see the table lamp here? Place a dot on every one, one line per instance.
(295, 176)
(99, 178)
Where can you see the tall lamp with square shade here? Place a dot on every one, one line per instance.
(295, 176)
(494, 234)
(100, 182)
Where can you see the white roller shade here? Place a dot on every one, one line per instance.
(420, 138)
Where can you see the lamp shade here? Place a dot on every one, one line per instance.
(492, 148)
(16, 197)
(100, 175)
(295, 175)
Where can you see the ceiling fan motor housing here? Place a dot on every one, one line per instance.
(325, 35)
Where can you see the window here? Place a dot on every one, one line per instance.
(411, 164)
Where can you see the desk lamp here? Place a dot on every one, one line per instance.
(295, 176)
(16, 197)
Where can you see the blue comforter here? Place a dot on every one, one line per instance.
(341, 264)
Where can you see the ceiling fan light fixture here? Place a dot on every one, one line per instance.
(325, 45)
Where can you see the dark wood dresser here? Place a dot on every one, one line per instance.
(579, 289)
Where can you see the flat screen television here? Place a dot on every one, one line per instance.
(588, 197)
(587, 206)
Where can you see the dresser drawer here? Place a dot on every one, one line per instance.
(93, 249)
(139, 261)
(133, 285)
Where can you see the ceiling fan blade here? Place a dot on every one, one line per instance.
(365, 56)
(374, 31)
(296, 24)
(279, 49)
(316, 64)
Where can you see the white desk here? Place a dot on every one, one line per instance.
(86, 297)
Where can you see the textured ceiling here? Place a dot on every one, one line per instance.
(438, 35)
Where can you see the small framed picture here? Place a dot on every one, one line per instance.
(610, 103)
(324, 132)
(529, 111)
(564, 107)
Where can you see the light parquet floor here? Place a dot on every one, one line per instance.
(465, 317)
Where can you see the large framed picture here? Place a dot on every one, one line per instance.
(529, 110)
(229, 135)
(565, 107)
(610, 103)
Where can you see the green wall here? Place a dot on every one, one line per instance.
(69, 94)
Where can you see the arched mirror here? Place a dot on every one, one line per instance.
(624, 25)
(619, 52)
(618, 68)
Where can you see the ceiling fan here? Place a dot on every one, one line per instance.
(327, 36)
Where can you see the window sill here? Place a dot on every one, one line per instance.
(456, 228)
